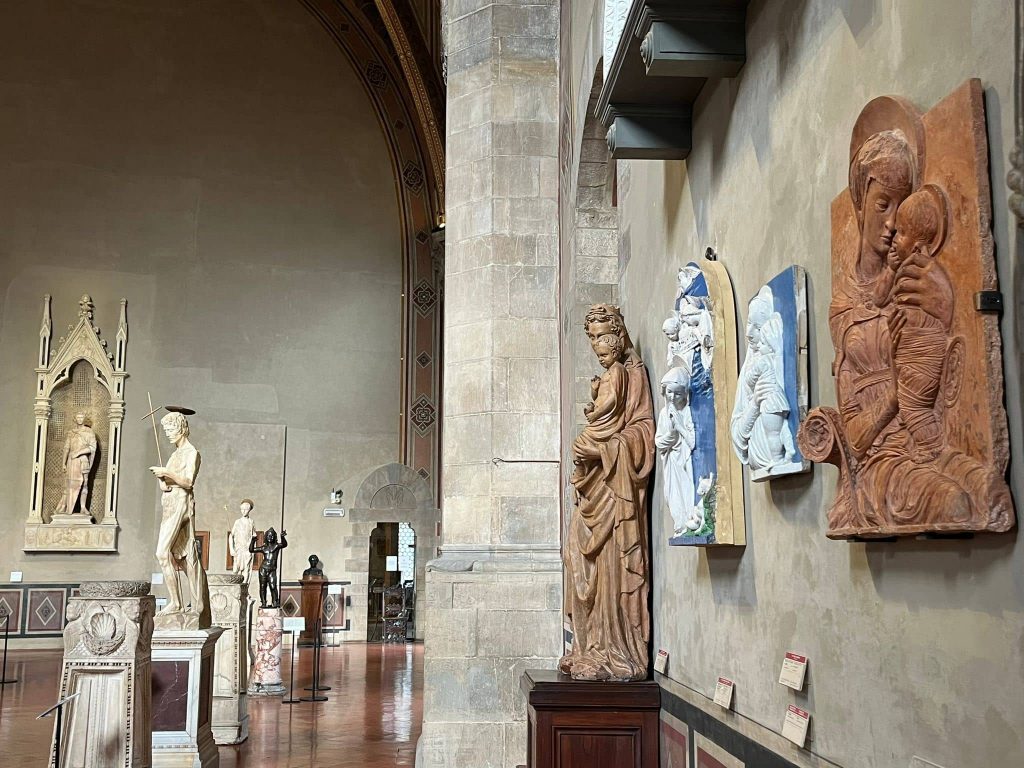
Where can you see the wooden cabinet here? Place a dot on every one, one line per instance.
(577, 724)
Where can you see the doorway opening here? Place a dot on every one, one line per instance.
(391, 598)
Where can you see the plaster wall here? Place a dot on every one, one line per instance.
(915, 647)
(220, 166)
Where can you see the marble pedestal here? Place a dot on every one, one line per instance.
(183, 698)
(229, 602)
(266, 670)
(106, 661)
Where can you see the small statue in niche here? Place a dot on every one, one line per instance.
(760, 427)
(268, 568)
(238, 541)
(79, 456)
(607, 550)
(314, 570)
(177, 538)
(675, 439)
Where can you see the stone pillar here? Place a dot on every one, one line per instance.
(493, 599)
(106, 661)
(183, 698)
(229, 602)
(266, 669)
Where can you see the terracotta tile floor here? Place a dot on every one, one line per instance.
(371, 720)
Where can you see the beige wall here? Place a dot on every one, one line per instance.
(915, 648)
(219, 165)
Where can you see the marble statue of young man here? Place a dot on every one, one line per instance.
(79, 456)
(177, 538)
(238, 541)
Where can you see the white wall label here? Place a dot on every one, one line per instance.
(156, 578)
(334, 589)
(795, 725)
(17, 576)
(794, 668)
(161, 602)
(723, 692)
(295, 624)
(661, 661)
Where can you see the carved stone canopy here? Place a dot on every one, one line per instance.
(80, 375)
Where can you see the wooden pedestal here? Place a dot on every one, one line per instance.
(576, 724)
(312, 604)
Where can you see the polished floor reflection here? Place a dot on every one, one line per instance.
(370, 720)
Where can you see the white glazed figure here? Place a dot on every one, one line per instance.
(759, 427)
(675, 439)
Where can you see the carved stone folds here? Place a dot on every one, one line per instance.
(229, 602)
(107, 662)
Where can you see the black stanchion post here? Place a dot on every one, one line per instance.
(7, 630)
(291, 682)
(315, 688)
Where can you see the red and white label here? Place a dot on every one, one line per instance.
(661, 661)
(794, 669)
(794, 727)
(723, 692)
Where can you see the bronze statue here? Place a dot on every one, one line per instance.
(607, 549)
(314, 568)
(268, 568)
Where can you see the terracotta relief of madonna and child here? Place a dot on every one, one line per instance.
(920, 434)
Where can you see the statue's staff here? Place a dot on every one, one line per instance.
(156, 435)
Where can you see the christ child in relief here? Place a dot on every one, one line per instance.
(919, 331)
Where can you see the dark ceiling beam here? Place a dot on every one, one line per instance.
(668, 51)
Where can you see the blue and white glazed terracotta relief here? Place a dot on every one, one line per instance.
(771, 394)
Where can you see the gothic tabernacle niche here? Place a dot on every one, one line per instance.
(79, 411)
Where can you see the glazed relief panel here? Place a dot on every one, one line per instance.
(771, 395)
(920, 434)
(703, 489)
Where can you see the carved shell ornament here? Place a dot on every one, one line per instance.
(102, 637)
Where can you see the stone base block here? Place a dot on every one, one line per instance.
(106, 662)
(76, 534)
(183, 698)
(229, 601)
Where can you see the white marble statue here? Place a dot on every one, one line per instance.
(675, 439)
(177, 538)
(79, 457)
(238, 541)
(759, 427)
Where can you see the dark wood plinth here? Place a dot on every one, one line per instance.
(313, 588)
(576, 724)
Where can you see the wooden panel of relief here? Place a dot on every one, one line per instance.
(702, 477)
(920, 434)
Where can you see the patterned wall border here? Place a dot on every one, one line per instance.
(333, 608)
(717, 740)
(40, 609)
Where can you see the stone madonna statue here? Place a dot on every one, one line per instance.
(607, 549)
